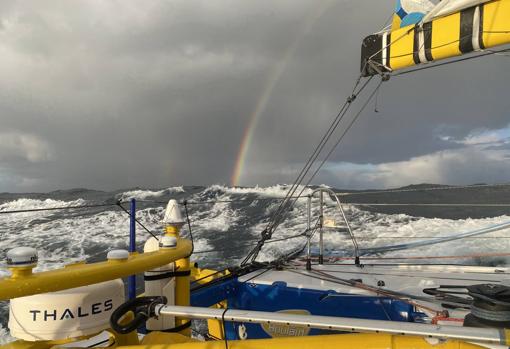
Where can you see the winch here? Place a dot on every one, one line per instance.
(490, 306)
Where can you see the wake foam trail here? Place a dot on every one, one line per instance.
(229, 222)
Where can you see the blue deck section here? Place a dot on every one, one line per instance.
(280, 297)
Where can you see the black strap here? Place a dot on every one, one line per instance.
(167, 275)
(143, 308)
(175, 329)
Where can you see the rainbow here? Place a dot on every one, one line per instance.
(267, 91)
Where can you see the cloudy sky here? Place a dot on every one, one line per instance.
(115, 94)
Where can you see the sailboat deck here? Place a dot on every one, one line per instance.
(406, 278)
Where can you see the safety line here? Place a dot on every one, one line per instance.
(55, 208)
(476, 255)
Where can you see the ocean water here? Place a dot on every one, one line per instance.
(226, 222)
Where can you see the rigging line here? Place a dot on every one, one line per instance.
(429, 33)
(502, 54)
(407, 246)
(137, 221)
(387, 23)
(432, 48)
(324, 139)
(250, 243)
(209, 202)
(427, 205)
(371, 96)
(388, 45)
(446, 187)
(316, 151)
(56, 208)
(427, 237)
(372, 203)
(378, 291)
(450, 62)
(477, 255)
(267, 232)
(224, 326)
(404, 297)
(189, 227)
(310, 164)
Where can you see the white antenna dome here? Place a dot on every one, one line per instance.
(173, 215)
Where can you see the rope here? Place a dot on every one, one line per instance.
(339, 140)
(378, 291)
(475, 255)
(137, 221)
(250, 244)
(189, 227)
(279, 219)
(318, 149)
(385, 191)
(429, 205)
(56, 208)
(224, 327)
(435, 241)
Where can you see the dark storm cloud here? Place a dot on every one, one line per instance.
(126, 93)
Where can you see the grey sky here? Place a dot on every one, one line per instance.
(113, 94)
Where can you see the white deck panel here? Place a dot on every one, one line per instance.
(406, 278)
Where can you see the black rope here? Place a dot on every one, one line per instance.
(318, 150)
(277, 217)
(446, 187)
(136, 220)
(185, 203)
(355, 118)
(224, 327)
(56, 208)
(250, 243)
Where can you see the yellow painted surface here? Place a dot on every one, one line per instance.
(496, 23)
(401, 50)
(446, 36)
(163, 337)
(182, 292)
(215, 327)
(395, 24)
(21, 272)
(172, 230)
(86, 274)
(342, 341)
(507, 337)
(206, 275)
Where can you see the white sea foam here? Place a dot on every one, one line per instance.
(64, 238)
(5, 337)
(149, 194)
(279, 190)
(26, 204)
(374, 230)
